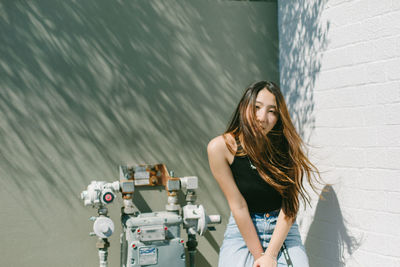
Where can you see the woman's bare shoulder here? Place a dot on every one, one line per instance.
(216, 144)
(222, 144)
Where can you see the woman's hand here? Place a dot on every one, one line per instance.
(265, 261)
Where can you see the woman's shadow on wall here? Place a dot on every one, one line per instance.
(328, 241)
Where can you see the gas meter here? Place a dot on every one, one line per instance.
(153, 238)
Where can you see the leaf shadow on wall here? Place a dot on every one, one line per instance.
(302, 38)
(88, 85)
(82, 91)
(329, 241)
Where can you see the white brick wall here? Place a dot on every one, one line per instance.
(346, 55)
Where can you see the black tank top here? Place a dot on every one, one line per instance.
(259, 195)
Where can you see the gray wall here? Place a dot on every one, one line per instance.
(88, 85)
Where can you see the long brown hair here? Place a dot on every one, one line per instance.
(278, 156)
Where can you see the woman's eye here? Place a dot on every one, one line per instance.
(272, 111)
(257, 107)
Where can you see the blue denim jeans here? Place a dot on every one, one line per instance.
(234, 252)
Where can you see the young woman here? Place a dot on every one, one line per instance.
(259, 163)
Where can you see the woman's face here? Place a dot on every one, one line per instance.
(266, 110)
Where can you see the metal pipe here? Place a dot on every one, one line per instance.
(103, 257)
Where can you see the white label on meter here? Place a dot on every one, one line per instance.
(152, 233)
(147, 255)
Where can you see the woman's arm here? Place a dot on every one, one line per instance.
(281, 230)
(217, 156)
